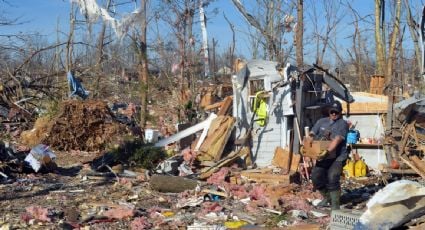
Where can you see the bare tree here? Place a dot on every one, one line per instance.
(393, 43)
(414, 34)
(143, 65)
(379, 36)
(232, 45)
(277, 21)
(299, 33)
(333, 14)
(357, 54)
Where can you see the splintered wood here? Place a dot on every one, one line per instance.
(413, 165)
(207, 172)
(217, 137)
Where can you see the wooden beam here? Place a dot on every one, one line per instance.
(268, 178)
(411, 165)
(418, 163)
(216, 139)
(296, 158)
(186, 132)
(213, 106)
(207, 172)
(225, 106)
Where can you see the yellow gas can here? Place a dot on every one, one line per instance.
(349, 168)
(360, 168)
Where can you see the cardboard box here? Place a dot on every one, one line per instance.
(313, 148)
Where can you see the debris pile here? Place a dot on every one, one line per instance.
(80, 125)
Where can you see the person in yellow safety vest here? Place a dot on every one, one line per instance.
(260, 108)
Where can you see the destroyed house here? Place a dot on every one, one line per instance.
(287, 100)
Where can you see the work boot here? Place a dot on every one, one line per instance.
(326, 199)
(335, 199)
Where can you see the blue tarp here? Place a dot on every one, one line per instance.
(76, 87)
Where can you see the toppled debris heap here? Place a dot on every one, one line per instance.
(80, 125)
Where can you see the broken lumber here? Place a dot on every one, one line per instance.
(411, 165)
(418, 163)
(186, 132)
(217, 137)
(398, 171)
(207, 172)
(225, 106)
(173, 184)
(282, 159)
(268, 178)
(296, 158)
(213, 106)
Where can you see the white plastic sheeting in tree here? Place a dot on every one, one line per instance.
(92, 12)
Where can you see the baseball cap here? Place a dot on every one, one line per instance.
(336, 106)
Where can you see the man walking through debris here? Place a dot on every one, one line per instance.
(327, 171)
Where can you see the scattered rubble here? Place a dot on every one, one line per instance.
(86, 168)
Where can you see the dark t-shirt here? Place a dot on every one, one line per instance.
(327, 129)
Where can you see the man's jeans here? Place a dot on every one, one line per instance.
(326, 174)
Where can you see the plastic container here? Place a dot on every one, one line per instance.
(353, 136)
(360, 168)
(349, 168)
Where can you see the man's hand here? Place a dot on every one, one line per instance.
(323, 154)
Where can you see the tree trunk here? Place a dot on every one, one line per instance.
(392, 48)
(69, 43)
(100, 53)
(414, 35)
(232, 46)
(299, 33)
(172, 184)
(204, 40)
(143, 67)
(379, 36)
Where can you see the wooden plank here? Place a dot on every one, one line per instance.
(207, 99)
(282, 159)
(268, 178)
(217, 137)
(207, 172)
(411, 165)
(366, 94)
(418, 163)
(296, 158)
(366, 107)
(213, 106)
(186, 132)
(225, 106)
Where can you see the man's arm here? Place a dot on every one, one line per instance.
(334, 143)
(338, 136)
